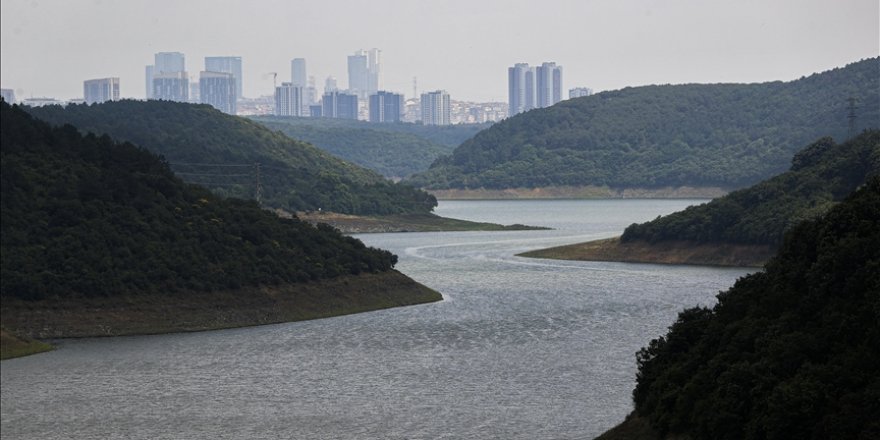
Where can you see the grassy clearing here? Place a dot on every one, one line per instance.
(352, 224)
(669, 252)
(12, 346)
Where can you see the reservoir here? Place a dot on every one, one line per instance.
(519, 349)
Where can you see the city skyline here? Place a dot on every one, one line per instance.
(462, 47)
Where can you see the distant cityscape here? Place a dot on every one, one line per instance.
(220, 85)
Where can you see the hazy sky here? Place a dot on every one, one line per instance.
(48, 47)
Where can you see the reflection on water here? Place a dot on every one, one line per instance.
(520, 348)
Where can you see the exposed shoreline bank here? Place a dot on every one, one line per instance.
(670, 252)
(353, 224)
(198, 311)
(579, 192)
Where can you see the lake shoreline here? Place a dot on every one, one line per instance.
(588, 192)
(148, 314)
(668, 252)
(354, 224)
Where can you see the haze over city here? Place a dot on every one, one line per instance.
(465, 48)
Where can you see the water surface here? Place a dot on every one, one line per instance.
(519, 349)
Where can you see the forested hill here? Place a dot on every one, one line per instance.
(393, 150)
(789, 353)
(721, 135)
(821, 175)
(85, 216)
(220, 151)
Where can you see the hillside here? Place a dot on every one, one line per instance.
(745, 227)
(383, 148)
(220, 151)
(695, 135)
(821, 174)
(86, 220)
(791, 352)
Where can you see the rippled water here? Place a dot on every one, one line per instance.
(520, 348)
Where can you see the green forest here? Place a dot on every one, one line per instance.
(821, 175)
(704, 135)
(83, 215)
(219, 152)
(384, 148)
(789, 353)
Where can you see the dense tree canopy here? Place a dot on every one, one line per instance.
(726, 135)
(821, 175)
(789, 353)
(86, 216)
(216, 150)
(384, 148)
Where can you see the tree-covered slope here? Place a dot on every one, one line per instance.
(821, 175)
(85, 216)
(725, 135)
(220, 151)
(789, 353)
(392, 153)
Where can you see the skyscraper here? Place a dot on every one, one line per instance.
(339, 105)
(163, 63)
(100, 90)
(436, 108)
(357, 73)
(169, 62)
(288, 100)
(365, 72)
(386, 107)
(231, 65)
(548, 84)
(330, 84)
(520, 88)
(298, 76)
(218, 90)
(148, 73)
(171, 86)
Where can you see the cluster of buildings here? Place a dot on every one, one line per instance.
(220, 85)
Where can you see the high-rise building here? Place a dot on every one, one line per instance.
(195, 92)
(357, 73)
(8, 95)
(218, 90)
(169, 62)
(148, 74)
(289, 100)
(548, 84)
(339, 105)
(386, 107)
(163, 63)
(315, 111)
(365, 72)
(231, 65)
(298, 76)
(436, 109)
(100, 90)
(171, 86)
(578, 92)
(520, 88)
(330, 84)
(374, 71)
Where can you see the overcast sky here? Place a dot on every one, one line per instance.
(48, 47)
